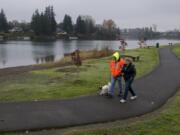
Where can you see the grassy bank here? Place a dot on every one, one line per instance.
(176, 50)
(70, 81)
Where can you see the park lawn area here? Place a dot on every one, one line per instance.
(70, 81)
(176, 50)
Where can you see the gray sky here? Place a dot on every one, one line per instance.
(126, 13)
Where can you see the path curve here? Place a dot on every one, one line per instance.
(153, 89)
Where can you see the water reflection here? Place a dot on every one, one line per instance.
(69, 46)
(3, 55)
(43, 52)
(45, 59)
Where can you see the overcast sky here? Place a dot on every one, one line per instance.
(126, 13)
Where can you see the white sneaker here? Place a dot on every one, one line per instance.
(133, 97)
(122, 101)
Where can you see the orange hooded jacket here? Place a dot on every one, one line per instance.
(116, 67)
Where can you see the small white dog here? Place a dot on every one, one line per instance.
(105, 89)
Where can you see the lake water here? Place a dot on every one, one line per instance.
(22, 53)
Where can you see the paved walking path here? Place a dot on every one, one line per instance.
(153, 90)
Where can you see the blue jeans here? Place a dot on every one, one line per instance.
(128, 87)
(113, 82)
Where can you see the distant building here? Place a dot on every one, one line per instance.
(73, 38)
(27, 38)
(1, 38)
(60, 32)
(16, 29)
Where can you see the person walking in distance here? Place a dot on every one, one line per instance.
(123, 46)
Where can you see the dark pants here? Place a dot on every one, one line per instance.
(128, 87)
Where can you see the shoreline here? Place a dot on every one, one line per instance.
(66, 61)
(57, 39)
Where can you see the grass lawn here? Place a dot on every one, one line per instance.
(66, 82)
(176, 50)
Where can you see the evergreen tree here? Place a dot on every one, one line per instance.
(44, 23)
(53, 20)
(67, 24)
(3, 22)
(90, 24)
(35, 23)
(80, 26)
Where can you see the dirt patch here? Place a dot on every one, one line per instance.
(79, 82)
(71, 69)
(55, 80)
(90, 66)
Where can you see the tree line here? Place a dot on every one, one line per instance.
(140, 33)
(85, 27)
(3, 22)
(44, 24)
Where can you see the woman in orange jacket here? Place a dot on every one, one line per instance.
(116, 66)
